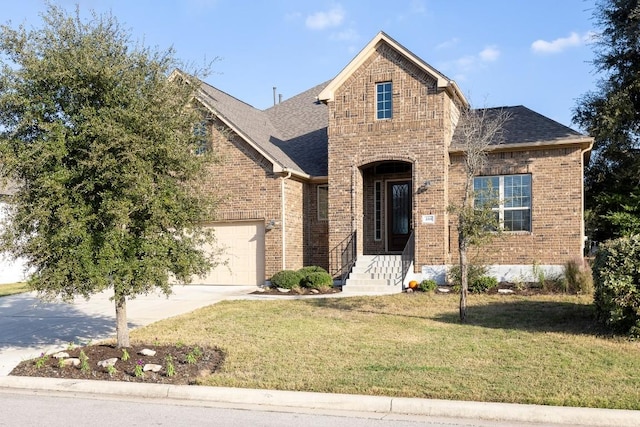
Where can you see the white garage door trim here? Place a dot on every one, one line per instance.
(243, 246)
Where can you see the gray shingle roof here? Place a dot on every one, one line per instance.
(302, 121)
(525, 126)
(294, 133)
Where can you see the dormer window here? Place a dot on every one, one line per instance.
(383, 100)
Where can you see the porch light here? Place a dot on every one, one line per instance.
(270, 225)
(424, 187)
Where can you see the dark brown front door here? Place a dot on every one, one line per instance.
(398, 214)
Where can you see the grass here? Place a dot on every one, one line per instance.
(542, 350)
(13, 288)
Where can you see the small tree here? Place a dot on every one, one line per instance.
(477, 222)
(101, 144)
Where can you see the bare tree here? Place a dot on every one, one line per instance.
(477, 130)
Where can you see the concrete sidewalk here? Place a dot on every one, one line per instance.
(29, 326)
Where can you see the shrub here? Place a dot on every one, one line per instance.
(616, 275)
(428, 285)
(482, 284)
(287, 279)
(317, 280)
(474, 272)
(577, 276)
(311, 269)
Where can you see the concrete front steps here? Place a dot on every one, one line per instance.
(375, 275)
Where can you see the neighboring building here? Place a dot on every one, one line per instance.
(11, 271)
(367, 159)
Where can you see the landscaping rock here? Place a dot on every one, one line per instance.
(61, 355)
(108, 362)
(147, 352)
(283, 290)
(74, 361)
(444, 290)
(314, 291)
(152, 367)
(505, 291)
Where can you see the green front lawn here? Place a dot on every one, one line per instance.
(13, 288)
(543, 349)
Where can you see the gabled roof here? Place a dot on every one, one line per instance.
(526, 128)
(443, 82)
(302, 122)
(291, 135)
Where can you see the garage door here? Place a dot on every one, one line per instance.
(243, 246)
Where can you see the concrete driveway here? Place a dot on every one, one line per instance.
(29, 326)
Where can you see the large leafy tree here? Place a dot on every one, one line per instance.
(611, 114)
(101, 145)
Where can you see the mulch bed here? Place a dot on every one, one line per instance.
(204, 361)
(297, 292)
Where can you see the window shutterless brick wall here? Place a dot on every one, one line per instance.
(247, 189)
(556, 207)
(417, 133)
(316, 232)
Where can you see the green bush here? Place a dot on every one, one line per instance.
(578, 278)
(311, 269)
(616, 276)
(317, 280)
(474, 272)
(482, 284)
(428, 285)
(287, 279)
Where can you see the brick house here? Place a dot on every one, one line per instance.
(363, 167)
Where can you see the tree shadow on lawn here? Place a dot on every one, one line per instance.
(522, 314)
(533, 316)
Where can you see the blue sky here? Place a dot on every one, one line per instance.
(500, 52)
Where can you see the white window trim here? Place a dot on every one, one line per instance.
(391, 93)
(501, 207)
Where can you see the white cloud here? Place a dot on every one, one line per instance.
(448, 43)
(464, 65)
(489, 54)
(322, 20)
(349, 35)
(560, 44)
(292, 16)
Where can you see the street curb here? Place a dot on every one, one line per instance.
(509, 412)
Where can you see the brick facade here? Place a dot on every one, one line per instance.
(414, 145)
(416, 134)
(556, 218)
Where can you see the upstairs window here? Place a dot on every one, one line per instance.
(510, 197)
(202, 139)
(383, 100)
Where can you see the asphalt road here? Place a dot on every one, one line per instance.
(51, 410)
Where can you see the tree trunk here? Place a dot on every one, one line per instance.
(464, 282)
(122, 329)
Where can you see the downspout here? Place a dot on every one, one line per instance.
(283, 219)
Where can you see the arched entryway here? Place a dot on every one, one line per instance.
(387, 206)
